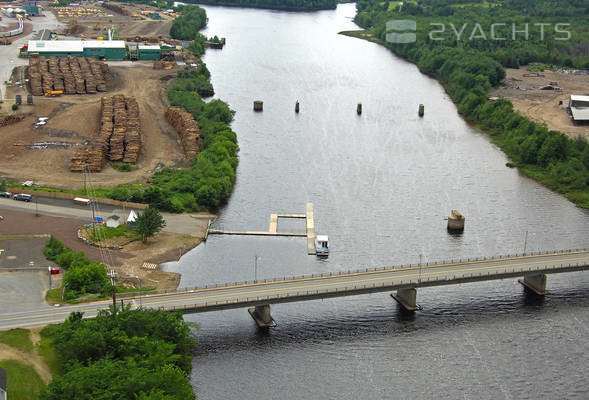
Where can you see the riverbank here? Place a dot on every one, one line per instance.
(552, 171)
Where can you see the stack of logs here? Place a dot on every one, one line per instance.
(71, 75)
(119, 138)
(187, 128)
(11, 119)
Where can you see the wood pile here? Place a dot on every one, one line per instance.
(11, 119)
(133, 134)
(161, 64)
(116, 8)
(187, 129)
(35, 77)
(119, 138)
(72, 75)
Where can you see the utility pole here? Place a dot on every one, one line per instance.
(525, 243)
(112, 275)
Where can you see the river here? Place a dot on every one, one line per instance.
(382, 184)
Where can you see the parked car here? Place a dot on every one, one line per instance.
(6, 194)
(1, 217)
(22, 197)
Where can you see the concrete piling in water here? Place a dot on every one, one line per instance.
(535, 283)
(262, 317)
(359, 109)
(421, 110)
(455, 221)
(297, 106)
(407, 298)
(258, 105)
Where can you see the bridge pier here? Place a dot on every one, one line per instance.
(407, 298)
(536, 283)
(262, 316)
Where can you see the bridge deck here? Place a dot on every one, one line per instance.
(246, 294)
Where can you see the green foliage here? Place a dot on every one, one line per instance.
(53, 249)
(469, 69)
(139, 354)
(293, 5)
(197, 46)
(47, 352)
(87, 278)
(82, 275)
(14, 107)
(18, 338)
(23, 382)
(195, 80)
(187, 25)
(148, 223)
(123, 166)
(3, 185)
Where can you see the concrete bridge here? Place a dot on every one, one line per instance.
(403, 281)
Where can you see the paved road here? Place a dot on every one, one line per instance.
(185, 224)
(9, 54)
(240, 295)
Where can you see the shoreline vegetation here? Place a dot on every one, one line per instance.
(470, 69)
(284, 5)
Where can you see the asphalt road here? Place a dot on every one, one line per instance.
(185, 224)
(246, 294)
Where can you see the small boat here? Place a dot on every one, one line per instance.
(322, 245)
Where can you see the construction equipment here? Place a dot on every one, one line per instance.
(53, 93)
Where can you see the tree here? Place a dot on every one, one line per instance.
(2, 185)
(149, 223)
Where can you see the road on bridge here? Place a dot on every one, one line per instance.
(321, 286)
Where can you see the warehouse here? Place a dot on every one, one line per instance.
(108, 49)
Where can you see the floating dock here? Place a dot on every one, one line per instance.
(273, 228)
(310, 230)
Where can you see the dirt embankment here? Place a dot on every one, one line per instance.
(544, 106)
(74, 121)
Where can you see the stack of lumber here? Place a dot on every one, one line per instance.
(116, 8)
(96, 69)
(72, 75)
(11, 119)
(35, 77)
(119, 138)
(187, 129)
(133, 134)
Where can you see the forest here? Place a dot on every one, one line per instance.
(122, 354)
(469, 69)
(292, 5)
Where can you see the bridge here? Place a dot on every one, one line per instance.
(403, 280)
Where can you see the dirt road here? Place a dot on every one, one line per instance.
(74, 120)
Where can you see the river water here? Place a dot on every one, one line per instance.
(381, 184)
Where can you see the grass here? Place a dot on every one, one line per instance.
(54, 295)
(23, 382)
(123, 166)
(47, 352)
(18, 338)
(102, 232)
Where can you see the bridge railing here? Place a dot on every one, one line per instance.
(351, 272)
(418, 281)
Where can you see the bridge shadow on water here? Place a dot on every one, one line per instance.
(384, 318)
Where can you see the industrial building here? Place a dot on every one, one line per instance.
(579, 106)
(101, 49)
(149, 52)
